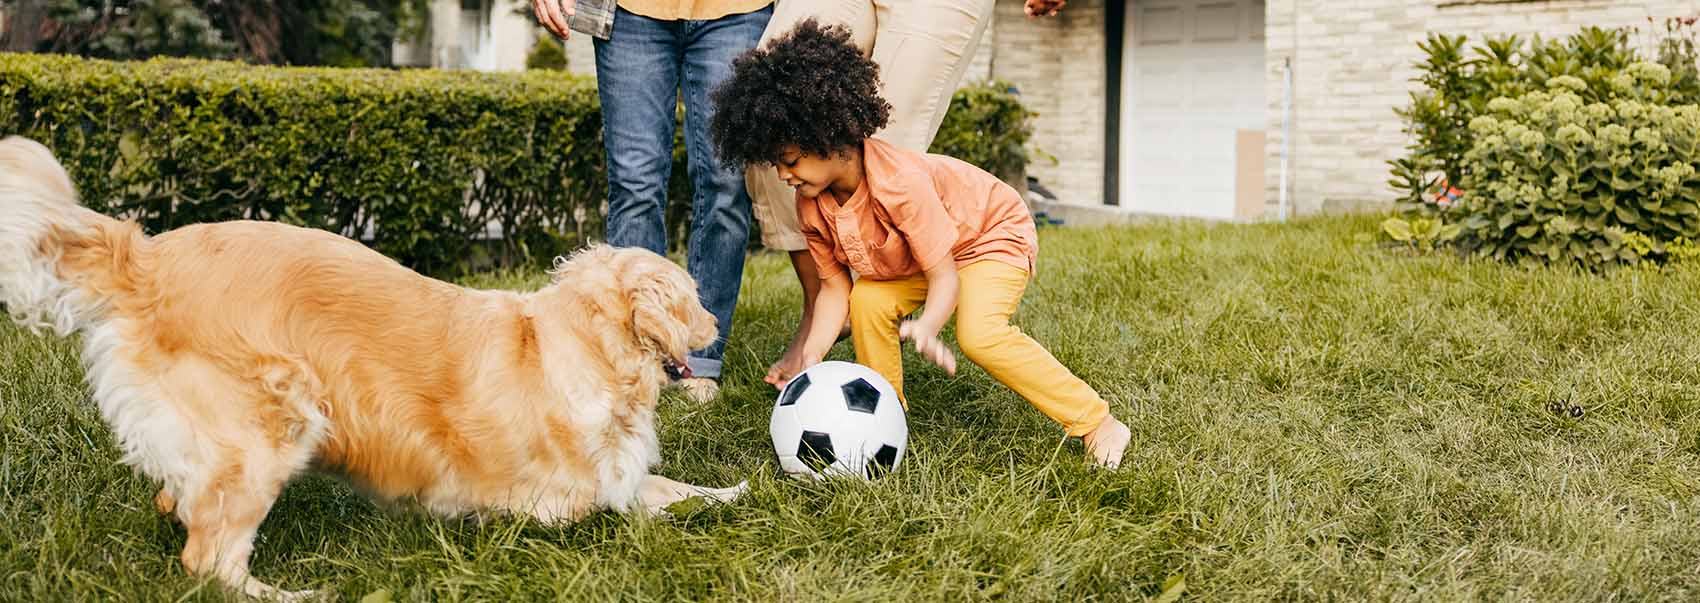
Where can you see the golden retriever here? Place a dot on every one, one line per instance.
(229, 357)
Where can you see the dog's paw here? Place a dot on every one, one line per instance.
(164, 503)
(723, 495)
(286, 596)
(695, 498)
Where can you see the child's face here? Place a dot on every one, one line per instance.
(811, 174)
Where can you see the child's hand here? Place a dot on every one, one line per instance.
(781, 372)
(926, 338)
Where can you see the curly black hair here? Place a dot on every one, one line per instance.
(810, 87)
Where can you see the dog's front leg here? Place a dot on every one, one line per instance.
(658, 492)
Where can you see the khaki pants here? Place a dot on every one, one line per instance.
(990, 292)
(922, 48)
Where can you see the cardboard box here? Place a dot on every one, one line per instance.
(1249, 195)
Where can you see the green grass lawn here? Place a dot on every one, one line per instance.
(1314, 417)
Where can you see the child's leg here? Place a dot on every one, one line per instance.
(990, 293)
(876, 307)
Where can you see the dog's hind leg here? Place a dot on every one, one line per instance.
(249, 471)
(223, 516)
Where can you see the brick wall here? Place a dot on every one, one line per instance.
(1058, 64)
(1078, 141)
(1352, 65)
(980, 67)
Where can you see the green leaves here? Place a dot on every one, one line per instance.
(351, 33)
(1576, 150)
(989, 127)
(1398, 229)
(1173, 588)
(1421, 233)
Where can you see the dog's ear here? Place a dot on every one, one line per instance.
(657, 298)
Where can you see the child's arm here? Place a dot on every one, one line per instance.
(832, 306)
(941, 302)
(918, 211)
(806, 349)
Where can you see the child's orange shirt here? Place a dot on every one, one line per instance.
(914, 210)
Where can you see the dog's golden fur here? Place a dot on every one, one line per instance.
(230, 357)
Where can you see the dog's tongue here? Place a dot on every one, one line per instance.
(685, 370)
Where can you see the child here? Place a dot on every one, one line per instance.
(916, 228)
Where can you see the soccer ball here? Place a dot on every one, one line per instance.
(838, 419)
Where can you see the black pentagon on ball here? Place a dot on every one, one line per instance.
(815, 450)
(794, 390)
(861, 396)
(883, 460)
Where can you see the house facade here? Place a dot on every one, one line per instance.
(487, 35)
(1218, 109)
(1352, 64)
(1245, 109)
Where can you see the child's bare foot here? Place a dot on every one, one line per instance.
(1107, 443)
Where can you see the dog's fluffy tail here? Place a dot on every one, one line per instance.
(58, 261)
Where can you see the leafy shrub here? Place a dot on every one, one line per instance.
(1683, 250)
(417, 163)
(1571, 151)
(347, 33)
(1591, 183)
(546, 53)
(987, 126)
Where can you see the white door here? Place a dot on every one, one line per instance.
(475, 35)
(1192, 77)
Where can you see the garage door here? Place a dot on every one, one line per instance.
(1193, 79)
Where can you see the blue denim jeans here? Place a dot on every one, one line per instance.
(640, 71)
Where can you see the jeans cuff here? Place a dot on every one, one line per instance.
(704, 368)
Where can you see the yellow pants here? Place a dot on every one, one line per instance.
(988, 295)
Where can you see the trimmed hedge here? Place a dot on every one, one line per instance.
(416, 163)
